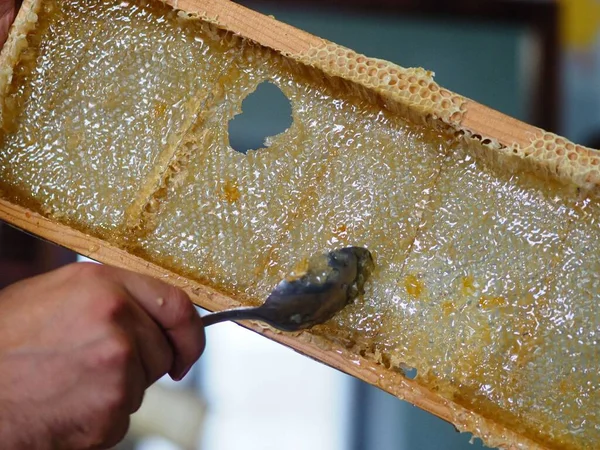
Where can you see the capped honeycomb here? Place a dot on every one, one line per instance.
(115, 122)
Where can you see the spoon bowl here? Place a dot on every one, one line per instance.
(312, 295)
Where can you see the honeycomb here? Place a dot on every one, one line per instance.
(91, 123)
(412, 87)
(297, 198)
(115, 122)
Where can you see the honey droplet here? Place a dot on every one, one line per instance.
(448, 307)
(341, 229)
(341, 232)
(487, 302)
(231, 193)
(565, 386)
(299, 270)
(413, 286)
(159, 109)
(467, 285)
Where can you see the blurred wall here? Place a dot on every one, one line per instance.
(581, 68)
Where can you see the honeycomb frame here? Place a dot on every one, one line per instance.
(412, 93)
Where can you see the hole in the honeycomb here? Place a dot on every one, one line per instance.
(385, 360)
(409, 372)
(265, 113)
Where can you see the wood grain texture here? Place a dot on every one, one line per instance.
(487, 122)
(252, 25)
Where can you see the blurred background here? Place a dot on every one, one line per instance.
(537, 60)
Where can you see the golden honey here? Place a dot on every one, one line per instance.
(97, 94)
(486, 281)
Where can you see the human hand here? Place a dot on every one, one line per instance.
(8, 11)
(78, 348)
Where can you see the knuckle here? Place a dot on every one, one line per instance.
(112, 304)
(116, 351)
(102, 298)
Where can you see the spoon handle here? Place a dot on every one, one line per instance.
(231, 314)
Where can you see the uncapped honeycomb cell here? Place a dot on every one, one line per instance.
(317, 186)
(486, 281)
(95, 98)
(371, 193)
(481, 270)
(569, 335)
(572, 163)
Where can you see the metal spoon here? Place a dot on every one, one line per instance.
(324, 287)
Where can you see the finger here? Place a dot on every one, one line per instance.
(137, 383)
(124, 386)
(173, 311)
(155, 352)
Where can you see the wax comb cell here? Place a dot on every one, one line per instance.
(102, 89)
(321, 184)
(114, 121)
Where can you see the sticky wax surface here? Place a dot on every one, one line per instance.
(100, 90)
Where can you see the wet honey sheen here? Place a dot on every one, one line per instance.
(486, 283)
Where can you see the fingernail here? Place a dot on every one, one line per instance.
(182, 374)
